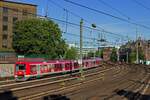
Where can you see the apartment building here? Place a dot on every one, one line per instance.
(10, 12)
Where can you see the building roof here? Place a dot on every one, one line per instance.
(19, 3)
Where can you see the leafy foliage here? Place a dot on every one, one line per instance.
(132, 56)
(71, 53)
(90, 54)
(38, 37)
(113, 56)
(99, 53)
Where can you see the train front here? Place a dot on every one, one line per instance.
(20, 71)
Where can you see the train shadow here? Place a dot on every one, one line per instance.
(55, 97)
(7, 95)
(132, 95)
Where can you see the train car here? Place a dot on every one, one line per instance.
(25, 70)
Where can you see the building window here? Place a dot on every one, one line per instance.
(4, 37)
(15, 19)
(5, 19)
(25, 12)
(5, 33)
(4, 44)
(5, 10)
(148, 45)
(5, 27)
(15, 9)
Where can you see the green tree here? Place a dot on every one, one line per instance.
(90, 54)
(71, 53)
(38, 37)
(113, 56)
(141, 55)
(99, 53)
(132, 57)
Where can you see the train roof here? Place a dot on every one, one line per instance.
(42, 61)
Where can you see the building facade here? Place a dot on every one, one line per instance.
(10, 12)
(139, 46)
(107, 53)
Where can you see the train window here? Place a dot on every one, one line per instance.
(21, 66)
(52, 65)
(59, 66)
(33, 68)
(63, 65)
(48, 66)
(75, 64)
(45, 67)
(94, 62)
(66, 64)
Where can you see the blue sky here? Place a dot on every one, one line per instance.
(137, 14)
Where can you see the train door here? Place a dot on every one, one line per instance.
(58, 67)
(20, 67)
(52, 67)
(76, 65)
(63, 66)
(72, 65)
(21, 71)
(38, 71)
(49, 68)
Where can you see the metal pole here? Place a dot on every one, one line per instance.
(46, 11)
(127, 57)
(137, 48)
(81, 30)
(118, 54)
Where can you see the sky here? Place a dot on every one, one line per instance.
(128, 8)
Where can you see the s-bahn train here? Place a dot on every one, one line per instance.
(25, 70)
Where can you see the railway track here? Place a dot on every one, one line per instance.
(22, 90)
(37, 90)
(124, 72)
(71, 84)
(49, 79)
(123, 85)
(9, 83)
(120, 84)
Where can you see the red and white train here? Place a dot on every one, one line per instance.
(25, 70)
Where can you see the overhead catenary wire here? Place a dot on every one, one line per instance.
(64, 22)
(107, 14)
(115, 9)
(72, 34)
(102, 29)
(88, 27)
(141, 4)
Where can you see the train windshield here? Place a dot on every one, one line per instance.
(20, 66)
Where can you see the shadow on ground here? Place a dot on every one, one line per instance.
(132, 95)
(55, 97)
(7, 95)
